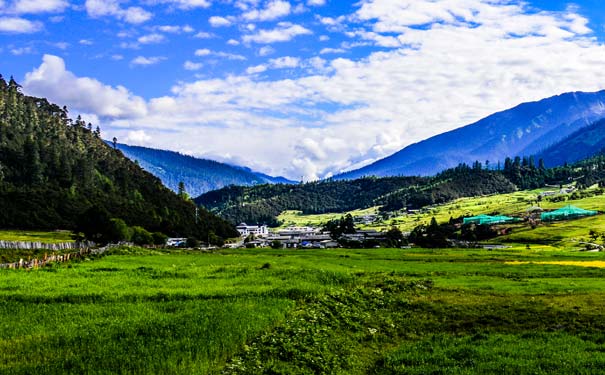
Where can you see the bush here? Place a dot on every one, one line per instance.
(118, 231)
(140, 236)
(159, 238)
(193, 242)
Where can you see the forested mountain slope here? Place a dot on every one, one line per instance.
(585, 142)
(262, 204)
(54, 170)
(198, 175)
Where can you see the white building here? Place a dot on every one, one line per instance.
(257, 230)
(176, 242)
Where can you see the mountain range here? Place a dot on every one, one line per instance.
(527, 129)
(198, 175)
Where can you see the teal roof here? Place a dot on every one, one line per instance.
(567, 212)
(487, 219)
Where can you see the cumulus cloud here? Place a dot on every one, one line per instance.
(229, 56)
(38, 6)
(273, 10)
(146, 61)
(17, 25)
(185, 4)
(218, 21)
(137, 137)
(204, 35)
(52, 80)
(102, 8)
(175, 29)
(278, 63)
(190, 65)
(151, 38)
(284, 32)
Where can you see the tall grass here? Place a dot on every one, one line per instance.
(280, 311)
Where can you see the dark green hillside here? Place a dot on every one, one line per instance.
(53, 170)
(462, 181)
(262, 204)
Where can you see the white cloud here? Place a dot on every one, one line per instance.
(102, 8)
(233, 42)
(39, 6)
(278, 63)
(185, 4)
(22, 51)
(190, 65)
(86, 42)
(285, 62)
(61, 45)
(203, 52)
(266, 50)
(218, 21)
(146, 61)
(283, 33)
(274, 9)
(256, 69)
(175, 29)
(84, 94)
(137, 137)
(17, 25)
(230, 56)
(324, 51)
(151, 38)
(316, 2)
(204, 35)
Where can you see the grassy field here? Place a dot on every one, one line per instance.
(36, 236)
(380, 311)
(565, 234)
(297, 218)
(507, 204)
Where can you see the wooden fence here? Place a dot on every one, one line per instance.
(28, 245)
(56, 258)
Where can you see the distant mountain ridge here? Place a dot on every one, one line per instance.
(526, 129)
(586, 142)
(198, 175)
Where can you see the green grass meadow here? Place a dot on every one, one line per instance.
(379, 311)
(36, 236)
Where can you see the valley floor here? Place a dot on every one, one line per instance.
(379, 311)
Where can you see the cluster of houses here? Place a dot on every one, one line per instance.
(302, 237)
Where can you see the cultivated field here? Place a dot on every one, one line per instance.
(380, 311)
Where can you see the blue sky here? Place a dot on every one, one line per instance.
(297, 87)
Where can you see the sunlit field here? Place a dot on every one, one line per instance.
(379, 311)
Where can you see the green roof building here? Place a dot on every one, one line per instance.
(566, 213)
(488, 220)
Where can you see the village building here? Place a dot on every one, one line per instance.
(257, 230)
(176, 242)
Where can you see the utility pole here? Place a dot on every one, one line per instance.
(196, 212)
